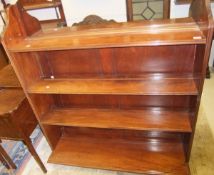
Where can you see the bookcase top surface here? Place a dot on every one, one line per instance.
(151, 33)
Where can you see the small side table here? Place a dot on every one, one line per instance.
(17, 120)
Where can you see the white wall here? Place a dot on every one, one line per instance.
(77, 10)
(44, 14)
(179, 11)
(1, 22)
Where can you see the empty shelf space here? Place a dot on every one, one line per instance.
(145, 156)
(172, 32)
(116, 87)
(147, 119)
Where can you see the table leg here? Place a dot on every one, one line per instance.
(33, 152)
(6, 160)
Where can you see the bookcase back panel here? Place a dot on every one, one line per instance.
(117, 61)
(133, 135)
(123, 101)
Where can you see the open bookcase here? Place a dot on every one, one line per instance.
(120, 96)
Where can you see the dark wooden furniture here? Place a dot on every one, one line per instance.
(8, 78)
(119, 96)
(3, 57)
(178, 2)
(17, 120)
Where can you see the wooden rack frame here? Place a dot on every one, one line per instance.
(122, 96)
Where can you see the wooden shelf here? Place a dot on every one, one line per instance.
(171, 32)
(152, 156)
(8, 78)
(115, 87)
(147, 119)
(40, 5)
(117, 96)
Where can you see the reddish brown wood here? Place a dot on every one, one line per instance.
(17, 120)
(129, 10)
(91, 152)
(148, 119)
(115, 62)
(8, 78)
(166, 9)
(3, 57)
(184, 102)
(204, 18)
(8, 104)
(133, 34)
(109, 70)
(116, 87)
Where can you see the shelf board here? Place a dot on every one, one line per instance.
(152, 156)
(40, 5)
(147, 119)
(167, 32)
(8, 78)
(115, 87)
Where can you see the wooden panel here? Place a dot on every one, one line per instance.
(7, 129)
(23, 62)
(129, 10)
(53, 133)
(3, 57)
(10, 100)
(115, 62)
(108, 73)
(8, 78)
(24, 118)
(176, 59)
(76, 62)
(129, 87)
(124, 101)
(113, 35)
(42, 104)
(147, 119)
(130, 135)
(151, 156)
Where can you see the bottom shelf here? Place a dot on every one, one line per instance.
(152, 156)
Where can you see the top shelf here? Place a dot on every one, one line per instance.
(149, 33)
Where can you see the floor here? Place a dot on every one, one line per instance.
(202, 158)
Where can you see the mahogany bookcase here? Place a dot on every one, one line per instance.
(122, 96)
